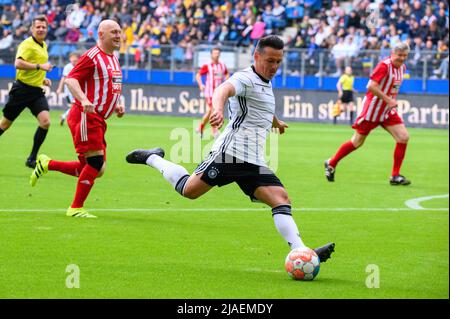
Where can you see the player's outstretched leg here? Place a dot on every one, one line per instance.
(325, 252)
(175, 174)
(40, 169)
(140, 156)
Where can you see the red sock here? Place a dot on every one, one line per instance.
(202, 127)
(84, 185)
(69, 168)
(399, 155)
(342, 152)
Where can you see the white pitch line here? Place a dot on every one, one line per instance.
(150, 210)
(414, 203)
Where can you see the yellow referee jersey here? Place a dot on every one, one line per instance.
(33, 52)
(347, 82)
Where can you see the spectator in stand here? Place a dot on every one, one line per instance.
(279, 15)
(223, 35)
(73, 35)
(90, 40)
(339, 54)
(61, 31)
(268, 18)
(237, 21)
(258, 30)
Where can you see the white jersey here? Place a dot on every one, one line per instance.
(67, 68)
(251, 113)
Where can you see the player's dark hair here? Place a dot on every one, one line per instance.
(271, 41)
(41, 18)
(215, 48)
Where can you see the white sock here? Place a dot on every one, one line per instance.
(64, 116)
(175, 174)
(286, 226)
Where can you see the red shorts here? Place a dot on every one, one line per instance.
(88, 130)
(364, 127)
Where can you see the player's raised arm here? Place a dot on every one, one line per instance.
(220, 97)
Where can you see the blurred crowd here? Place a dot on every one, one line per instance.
(345, 28)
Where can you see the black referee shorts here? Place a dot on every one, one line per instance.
(223, 169)
(22, 96)
(347, 96)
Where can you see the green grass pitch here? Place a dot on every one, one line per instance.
(149, 242)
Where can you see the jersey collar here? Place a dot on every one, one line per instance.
(41, 44)
(260, 76)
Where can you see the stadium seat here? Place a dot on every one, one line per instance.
(56, 50)
(295, 12)
(314, 4)
(178, 54)
(233, 35)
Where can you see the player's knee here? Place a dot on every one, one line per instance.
(284, 197)
(5, 124)
(102, 171)
(45, 124)
(97, 163)
(281, 198)
(358, 142)
(190, 193)
(403, 138)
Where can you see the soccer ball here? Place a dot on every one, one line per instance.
(302, 264)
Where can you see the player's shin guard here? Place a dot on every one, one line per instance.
(286, 226)
(399, 155)
(175, 174)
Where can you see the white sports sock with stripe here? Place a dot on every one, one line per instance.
(286, 226)
(173, 173)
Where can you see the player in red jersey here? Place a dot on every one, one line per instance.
(96, 84)
(216, 72)
(379, 108)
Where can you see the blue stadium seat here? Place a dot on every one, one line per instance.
(233, 35)
(178, 54)
(68, 49)
(84, 32)
(295, 12)
(56, 50)
(314, 4)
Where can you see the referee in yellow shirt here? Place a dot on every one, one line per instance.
(27, 91)
(345, 90)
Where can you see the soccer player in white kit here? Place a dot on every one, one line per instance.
(238, 153)
(62, 88)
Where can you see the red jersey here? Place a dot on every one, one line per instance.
(100, 79)
(215, 75)
(389, 78)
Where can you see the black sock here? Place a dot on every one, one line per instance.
(39, 138)
(1, 131)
